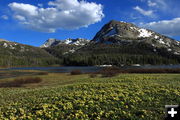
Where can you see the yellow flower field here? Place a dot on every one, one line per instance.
(79, 97)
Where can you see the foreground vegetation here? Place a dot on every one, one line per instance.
(65, 96)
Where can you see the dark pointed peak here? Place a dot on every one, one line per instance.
(117, 22)
(114, 23)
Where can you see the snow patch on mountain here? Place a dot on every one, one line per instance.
(133, 28)
(161, 41)
(123, 22)
(68, 41)
(144, 33)
(5, 45)
(156, 37)
(12, 47)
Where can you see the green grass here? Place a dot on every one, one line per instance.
(63, 96)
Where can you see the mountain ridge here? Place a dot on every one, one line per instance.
(54, 42)
(119, 32)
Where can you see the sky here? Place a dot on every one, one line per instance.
(32, 22)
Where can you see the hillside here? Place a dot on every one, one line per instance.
(121, 43)
(14, 54)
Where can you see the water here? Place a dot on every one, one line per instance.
(86, 69)
(65, 69)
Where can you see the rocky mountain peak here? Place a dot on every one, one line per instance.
(118, 29)
(50, 42)
(115, 32)
(122, 30)
(114, 23)
(54, 42)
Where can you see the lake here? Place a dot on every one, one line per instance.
(67, 69)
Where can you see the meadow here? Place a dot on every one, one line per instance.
(89, 97)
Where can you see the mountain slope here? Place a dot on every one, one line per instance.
(15, 54)
(120, 43)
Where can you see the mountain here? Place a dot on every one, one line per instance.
(121, 43)
(60, 48)
(126, 33)
(117, 43)
(55, 42)
(14, 54)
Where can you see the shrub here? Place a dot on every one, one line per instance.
(18, 82)
(76, 72)
(93, 75)
(27, 80)
(109, 72)
(42, 73)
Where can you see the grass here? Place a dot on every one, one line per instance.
(66, 96)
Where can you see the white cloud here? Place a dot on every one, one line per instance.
(151, 4)
(162, 4)
(60, 14)
(144, 12)
(166, 27)
(5, 17)
(26, 9)
(19, 17)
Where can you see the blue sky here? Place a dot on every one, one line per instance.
(33, 22)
